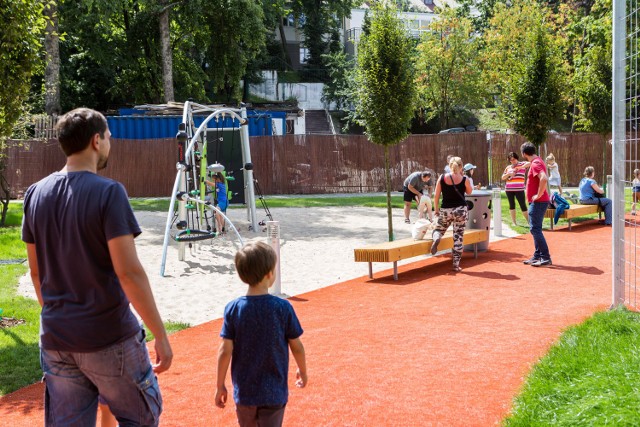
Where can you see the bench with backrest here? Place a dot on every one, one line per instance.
(574, 211)
(409, 248)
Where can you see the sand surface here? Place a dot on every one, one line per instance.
(316, 250)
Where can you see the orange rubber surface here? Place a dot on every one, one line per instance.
(434, 348)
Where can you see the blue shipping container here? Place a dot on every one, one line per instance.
(153, 127)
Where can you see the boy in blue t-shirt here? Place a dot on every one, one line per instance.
(257, 332)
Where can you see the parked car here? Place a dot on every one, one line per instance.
(452, 130)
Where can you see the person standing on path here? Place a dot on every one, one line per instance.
(453, 210)
(413, 187)
(515, 174)
(79, 229)
(538, 199)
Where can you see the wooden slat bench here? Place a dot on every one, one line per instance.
(409, 248)
(574, 211)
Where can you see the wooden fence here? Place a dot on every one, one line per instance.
(313, 164)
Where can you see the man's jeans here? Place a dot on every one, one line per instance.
(536, 215)
(121, 375)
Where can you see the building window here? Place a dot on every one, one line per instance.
(428, 2)
(289, 21)
(304, 55)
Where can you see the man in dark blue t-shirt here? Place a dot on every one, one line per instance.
(79, 230)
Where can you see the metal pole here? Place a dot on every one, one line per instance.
(273, 235)
(618, 140)
(248, 173)
(496, 194)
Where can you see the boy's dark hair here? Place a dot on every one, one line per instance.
(77, 127)
(254, 261)
(528, 148)
(426, 174)
(512, 155)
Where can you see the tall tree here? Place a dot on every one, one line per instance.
(165, 51)
(22, 26)
(448, 73)
(320, 18)
(239, 38)
(537, 100)
(385, 88)
(593, 76)
(52, 49)
(510, 42)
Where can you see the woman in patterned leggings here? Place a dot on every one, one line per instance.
(453, 210)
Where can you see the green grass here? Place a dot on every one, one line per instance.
(589, 378)
(290, 202)
(315, 202)
(19, 357)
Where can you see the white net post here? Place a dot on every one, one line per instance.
(618, 125)
(273, 236)
(496, 196)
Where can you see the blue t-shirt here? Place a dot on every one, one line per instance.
(70, 217)
(586, 189)
(221, 196)
(260, 328)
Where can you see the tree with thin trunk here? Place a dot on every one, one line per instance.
(52, 69)
(385, 99)
(165, 52)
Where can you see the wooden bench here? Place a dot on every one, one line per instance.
(409, 248)
(574, 211)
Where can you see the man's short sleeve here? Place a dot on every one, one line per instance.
(119, 219)
(537, 166)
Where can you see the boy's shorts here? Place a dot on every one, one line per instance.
(264, 416)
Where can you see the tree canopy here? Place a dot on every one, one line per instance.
(449, 72)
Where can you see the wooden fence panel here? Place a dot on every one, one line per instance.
(314, 164)
(573, 153)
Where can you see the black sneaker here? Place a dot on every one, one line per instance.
(542, 263)
(530, 261)
(434, 245)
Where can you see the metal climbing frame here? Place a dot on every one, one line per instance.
(188, 186)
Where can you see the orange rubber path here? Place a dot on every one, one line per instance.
(432, 349)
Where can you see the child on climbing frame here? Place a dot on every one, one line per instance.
(221, 200)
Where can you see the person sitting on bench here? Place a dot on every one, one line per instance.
(592, 194)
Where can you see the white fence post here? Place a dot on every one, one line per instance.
(496, 194)
(273, 234)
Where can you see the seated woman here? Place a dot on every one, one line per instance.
(592, 194)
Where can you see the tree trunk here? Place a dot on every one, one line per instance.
(387, 178)
(52, 70)
(167, 59)
(4, 195)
